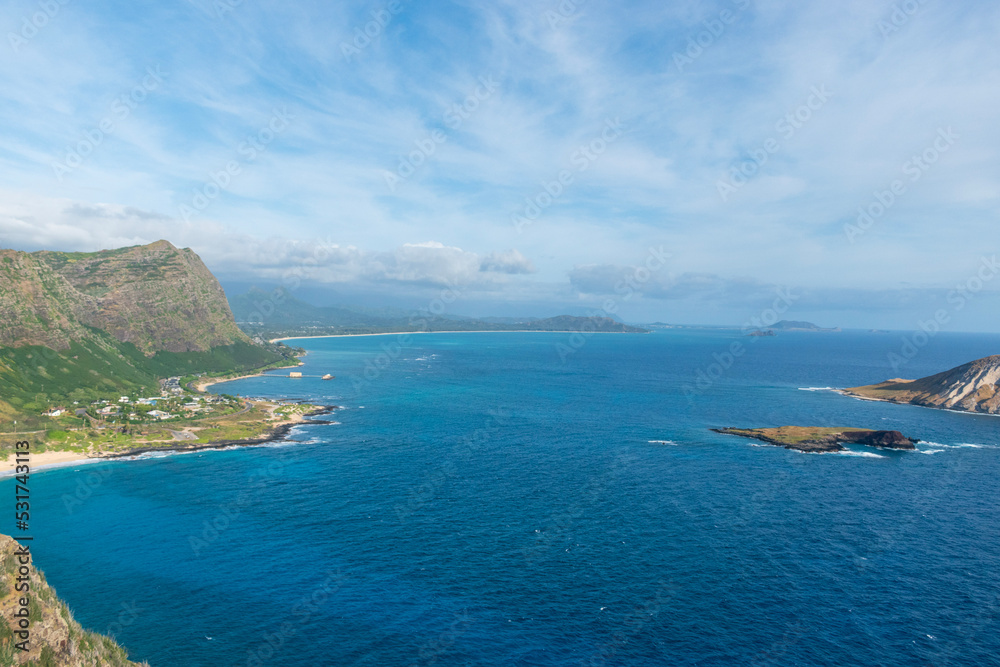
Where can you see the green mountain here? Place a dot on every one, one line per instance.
(79, 326)
(279, 314)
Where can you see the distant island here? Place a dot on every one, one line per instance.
(817, 439)
(278, 315)
(971, 387)
(791, 325)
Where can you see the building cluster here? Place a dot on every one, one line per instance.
(172, 403)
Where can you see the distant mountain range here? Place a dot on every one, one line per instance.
(278, 314)
(76, 326)
(972, 387)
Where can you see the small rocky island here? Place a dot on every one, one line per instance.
(817, 439)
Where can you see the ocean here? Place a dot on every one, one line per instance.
(547, 500)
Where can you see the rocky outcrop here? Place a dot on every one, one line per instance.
(972, 387)
(823, 439)
(157, 297)
(54, 636)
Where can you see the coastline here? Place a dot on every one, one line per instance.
(412, 333)
(202, 387)
(49, 460)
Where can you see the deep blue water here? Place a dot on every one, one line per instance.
(489, 499)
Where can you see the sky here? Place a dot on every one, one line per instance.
(711, 162)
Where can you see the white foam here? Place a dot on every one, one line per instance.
(867, 455)
(662, 442)
(816, 389)
(930, 451)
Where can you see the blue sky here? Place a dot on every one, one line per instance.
(527, 157)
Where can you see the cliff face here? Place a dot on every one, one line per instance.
(156, 297)
(974, 387)
(55, 638)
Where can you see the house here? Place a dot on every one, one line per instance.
(55, 412)
(295, 374)
(108, 410)
(81, 412)
(123, 399)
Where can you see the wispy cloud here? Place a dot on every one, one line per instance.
(559, 80)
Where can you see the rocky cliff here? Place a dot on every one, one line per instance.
(157, 297)
(973, 387)
(54, 636)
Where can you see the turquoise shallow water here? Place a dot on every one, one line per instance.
(489, 499)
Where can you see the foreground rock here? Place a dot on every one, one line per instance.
(816, 439)
(972, 387)
(54, 637)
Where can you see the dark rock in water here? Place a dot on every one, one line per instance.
(886, 439)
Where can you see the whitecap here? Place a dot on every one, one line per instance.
(817, 389)
(868, 455)
(662, 442)
(930, 451)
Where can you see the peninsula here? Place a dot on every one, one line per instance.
(99, 352)
(971, 387)
(817, 439)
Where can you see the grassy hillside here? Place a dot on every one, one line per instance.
(35, 378)
(75, 327)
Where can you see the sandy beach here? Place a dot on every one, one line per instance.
(41, 459)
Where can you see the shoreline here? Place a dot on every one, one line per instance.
(202, 387)
(51, 460)
(859, 397)
(411, 333)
